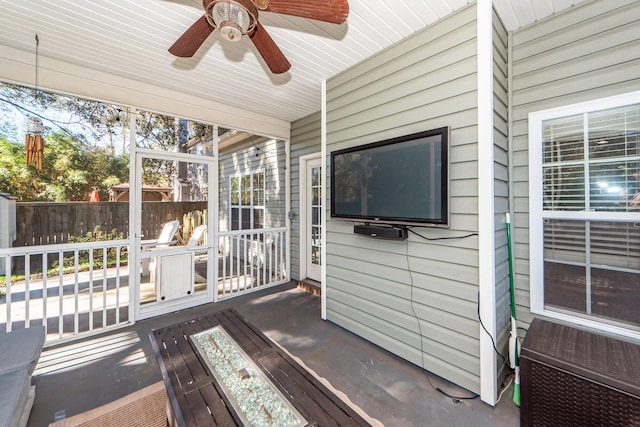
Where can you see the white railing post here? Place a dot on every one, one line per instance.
(27, 291)
(117, 319)
(45, 274)
(90, 289)
(104, 286)
(245, 254)
(76, 289)
(61, 294)
(225, 254)
(8, 292)
(238, 265)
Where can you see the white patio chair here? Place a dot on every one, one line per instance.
(196, 236)
(166, 235)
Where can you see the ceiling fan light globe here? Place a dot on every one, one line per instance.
(233, 17)
(230, 31)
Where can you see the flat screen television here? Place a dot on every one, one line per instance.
(402, 180)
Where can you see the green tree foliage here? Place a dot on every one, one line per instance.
(80, 146)
(14, 175)
(70, 170)
(82, 141)
(87, 120)
(157, 131)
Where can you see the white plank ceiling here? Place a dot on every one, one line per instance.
(131, 37)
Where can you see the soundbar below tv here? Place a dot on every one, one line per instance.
(401, 180)
(382, 231)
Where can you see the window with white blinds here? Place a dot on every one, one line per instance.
(247, 201)
(585, 212)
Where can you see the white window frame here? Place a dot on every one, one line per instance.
(251, 207)
(537, 215)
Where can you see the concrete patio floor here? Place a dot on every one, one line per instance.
(74, 377)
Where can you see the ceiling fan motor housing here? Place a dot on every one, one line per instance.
(233, 18)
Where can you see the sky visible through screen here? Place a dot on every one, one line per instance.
(15, 113)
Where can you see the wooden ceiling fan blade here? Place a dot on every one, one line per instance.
(188, 43)
(269, 50)
(334, 11)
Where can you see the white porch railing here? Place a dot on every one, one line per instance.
(89, 293)
(250, 260)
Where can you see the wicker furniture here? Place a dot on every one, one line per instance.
(143, 408)
(572, 377)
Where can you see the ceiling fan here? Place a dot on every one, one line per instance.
(235, 18)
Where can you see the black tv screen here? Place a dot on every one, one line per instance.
(402, 180)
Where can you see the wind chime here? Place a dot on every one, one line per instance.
(34, 142)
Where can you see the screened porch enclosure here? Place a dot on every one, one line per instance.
(253, 200)
(83, 267)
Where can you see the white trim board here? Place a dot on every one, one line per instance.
(486, 208)
(18, 66)
(323, 145)
(302, 209)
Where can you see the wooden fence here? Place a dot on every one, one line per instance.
(54, 223)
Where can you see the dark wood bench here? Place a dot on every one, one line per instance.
(197, 399)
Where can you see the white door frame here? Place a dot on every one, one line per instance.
(135, 201)
(304, 226)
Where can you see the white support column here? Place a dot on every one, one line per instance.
(213, 217)
(287, 179)
(486, 209)
(135, 194)
(323, 221)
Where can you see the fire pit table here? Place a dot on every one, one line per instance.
(221, 370)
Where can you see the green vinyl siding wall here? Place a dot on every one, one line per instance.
(242, 160)
(417, 298)
(305, 139)
(588, 52)
(501, 185)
